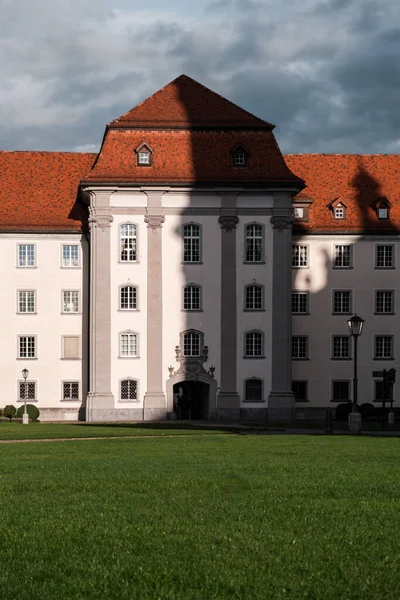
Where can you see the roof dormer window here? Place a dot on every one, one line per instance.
(338, 209)
(339, 212)
(240, 157)
(381, 206)
(383, 212)
(144, 155)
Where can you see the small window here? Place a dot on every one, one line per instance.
(128, 297)
(339, 212)
(191, 243)
(341, 302)
(300, 390)
(26, 255)
(70, 302)
(253, 390)
(192, 297)
(128, 345)
(70, 390)
(299, 347)
(128, 242)
(144, 156)
(383, 212)
(298, 212)
(383, 347)
(299, 303)
(340, 347)
(192, 344)
(27, 391)
(342, 259)
(384, 302)
(71, 347)
(70, 255)
(299, 256)
(129, 390)
(26, 346)
(340, 391)
(384, 256)
(254, 297)
(26, 301)
(254, 344)
(254, 243)
(378, 392)
(239, 157)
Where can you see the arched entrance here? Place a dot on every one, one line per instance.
(193, 399)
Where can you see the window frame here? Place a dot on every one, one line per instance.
(23, 291)
(62, 266)
(66, 312)
(392, 347)
(71, 381)
(63, 337)
(351, 302)
(378, 210)
(250, 401)
(393, 257)
(192, 284)
(349, 347)
(343, 213)
(27, 335)
(342, 267)
(341, 400)
(307, 294)
(262, 338)
(262, 288)
(392, 395)
(28, 400)
(34, 246)
(129, 332)
(182, 342)
(128, 378)
(242, 151)
(144, 149)
(307, 247)
(393, 303)
(131, 224)
(307, 398)
(307, 347)
(120, 288)
(200, 226)
(262, 261)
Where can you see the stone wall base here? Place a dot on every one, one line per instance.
(104, 415)
(154, 414)
(60, 414)
(281, 406)
(254, 414)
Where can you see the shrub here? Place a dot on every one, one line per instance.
(31, 409)
(343, 411)
(9, 411)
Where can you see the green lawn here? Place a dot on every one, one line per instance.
(254, 517)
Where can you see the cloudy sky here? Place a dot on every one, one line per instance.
(326, 72)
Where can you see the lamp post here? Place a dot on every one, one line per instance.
(355, 325)
(25, 418)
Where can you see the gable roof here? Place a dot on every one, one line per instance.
(186, 103)
(38, 189)
(358, 180)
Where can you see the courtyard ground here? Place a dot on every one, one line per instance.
(196, 516)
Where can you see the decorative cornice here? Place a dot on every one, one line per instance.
(101, 220)
(228, 222)
(281, 222)
(154, 221)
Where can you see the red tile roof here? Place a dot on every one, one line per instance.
(182, 156)
(358, 180)
(185, 103)
(39, 189)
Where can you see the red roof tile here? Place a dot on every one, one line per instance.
(186, 103)
(358, 180)
(39, 189)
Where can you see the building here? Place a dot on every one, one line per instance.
(154, 279)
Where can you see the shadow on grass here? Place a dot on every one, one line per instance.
(168, 425)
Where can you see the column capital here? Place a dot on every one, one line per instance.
(154, 221)
(228, 222)
(281, 222)
(99, 218)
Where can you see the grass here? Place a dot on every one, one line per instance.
(238, 517)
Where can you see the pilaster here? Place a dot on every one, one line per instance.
(228, 398)
(281, 405)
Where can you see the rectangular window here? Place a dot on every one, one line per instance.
(341, 302)
(384, 256)
(254, 297)
(26, 346)
(254, 243)
(128, 242)
(71, 347)
(299, 256)
(27, 391)
(341, 346)
(70, 302)
(70, 255)
(254, 345)
(378, 389)
(298, 212)
(128, 298)
(26, 301)
(299, 303)
(144, 158)
(128, 344)
(340, 391)
(382, 213)
(191, 344)
(129, 389)
(26, 255)
(300, 390)
(191, 243)
(383, 346)
(191, 297)
(384, 304)
(342, 259)
(299, 347)
(70, 390)
(339, 212)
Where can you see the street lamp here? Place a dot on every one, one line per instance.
(355, 325)
(25, 418)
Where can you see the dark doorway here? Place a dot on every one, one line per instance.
(191, 400)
